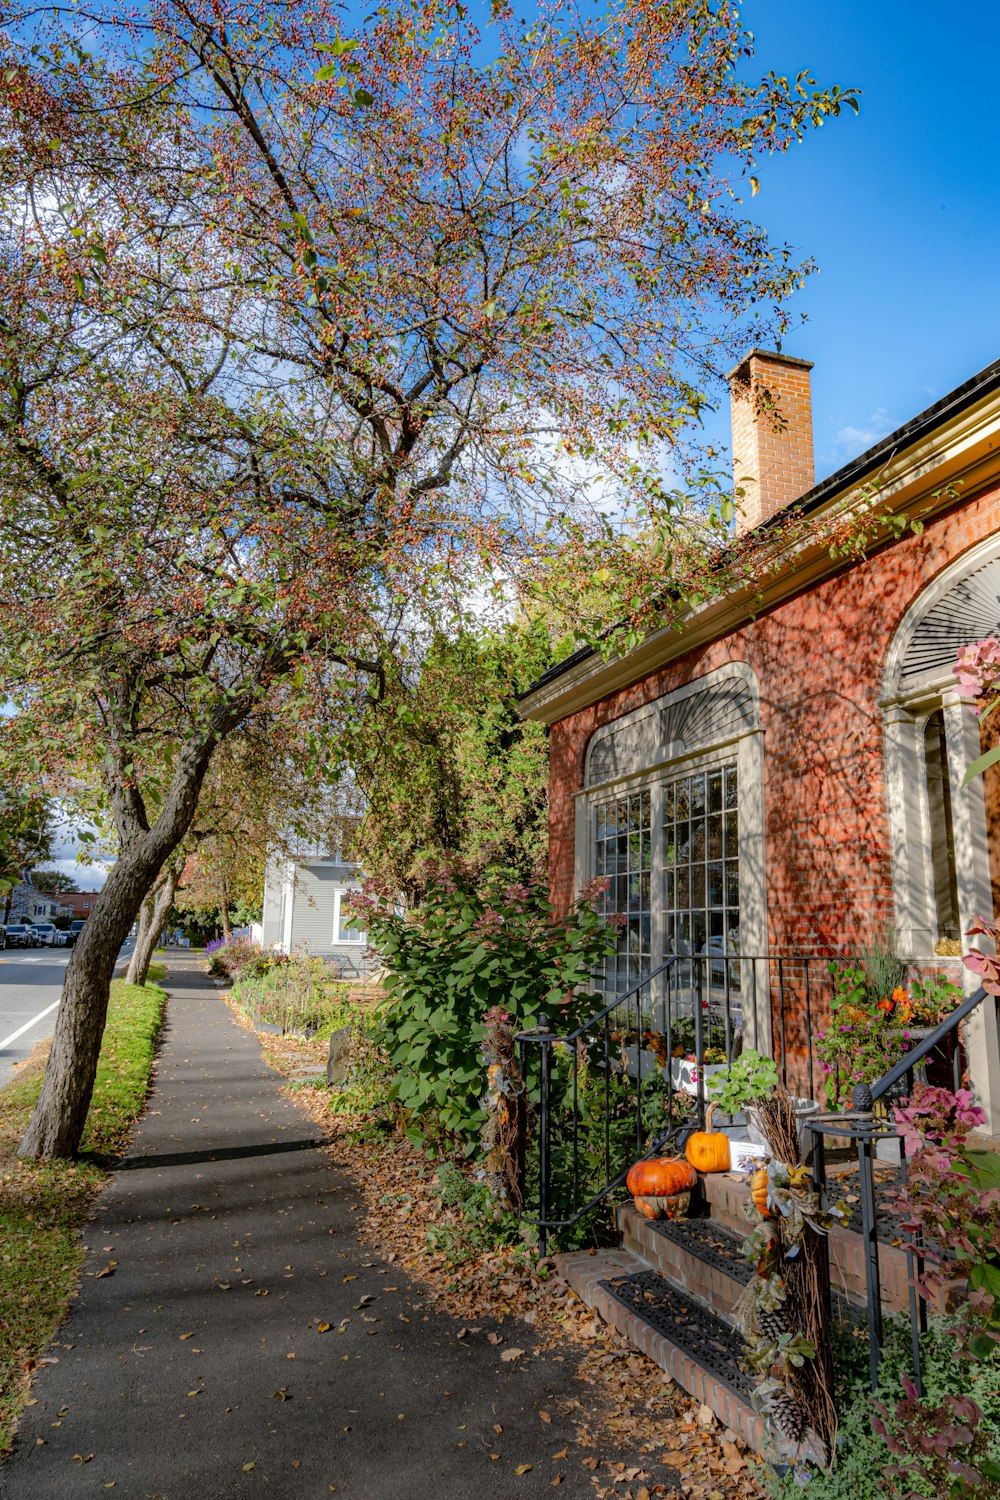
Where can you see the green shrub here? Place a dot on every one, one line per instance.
(466, 949)
(484, 1224)
(863, 1457)
(299, 995)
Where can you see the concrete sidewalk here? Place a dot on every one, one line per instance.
(197, 1370)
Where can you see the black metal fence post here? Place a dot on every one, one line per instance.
(862, 1102)
(544, 1064)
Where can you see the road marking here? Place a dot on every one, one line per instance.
(8, 1041)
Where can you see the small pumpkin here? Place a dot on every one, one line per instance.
(758, 1192)
(661, 1177)
(708, 1150)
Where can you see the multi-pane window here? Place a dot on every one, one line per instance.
(701, 881)
(342, 933)
(623, 853)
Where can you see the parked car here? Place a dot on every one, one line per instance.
(49, 935)
(75, 928)
(20, 935)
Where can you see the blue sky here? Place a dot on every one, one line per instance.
(900, 208)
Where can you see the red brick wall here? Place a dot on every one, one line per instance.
(819, 661)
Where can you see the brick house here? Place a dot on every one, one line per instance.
(80, 903)
(784, 775)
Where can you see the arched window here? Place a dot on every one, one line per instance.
(939, 828)
(672, 814)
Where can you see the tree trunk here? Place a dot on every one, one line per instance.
(60, 1114)
(145, 920)
(227, 926)
(159, 903)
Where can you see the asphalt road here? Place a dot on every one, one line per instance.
(30, 986)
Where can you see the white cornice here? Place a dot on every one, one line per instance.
(962, 450)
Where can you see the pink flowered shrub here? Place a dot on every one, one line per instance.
(977, 668)
(951, 1204)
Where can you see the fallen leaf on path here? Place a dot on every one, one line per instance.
(510, 1354)
(184, 1336)
(523, 1469)
(248, 1467)
(109, 1270)
(82, 1458)
(323, 1327)
(546, 1416)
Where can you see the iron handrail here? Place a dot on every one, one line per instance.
(860, 1125)
(538, 1035)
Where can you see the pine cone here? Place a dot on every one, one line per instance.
(787, 1417)
(773, 1324)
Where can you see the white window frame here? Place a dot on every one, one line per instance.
(355, 937)
(746, 749)
(906, 707)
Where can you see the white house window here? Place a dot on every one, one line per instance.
(941, 826)
(342, 934)
(701, 882)
(623, 853)
(938, 826)
(672, 814)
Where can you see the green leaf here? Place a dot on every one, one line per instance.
(981, 764)
(985, 1168)
(362, 98)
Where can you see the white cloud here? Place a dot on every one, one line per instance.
(854, 438)
(67, 850)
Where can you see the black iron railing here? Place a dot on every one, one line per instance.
(636, 1075)
(867, 1123)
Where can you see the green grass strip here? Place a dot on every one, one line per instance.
(42, 1206)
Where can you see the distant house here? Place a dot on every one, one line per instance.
(305, 910)
(80, 903)
(28, 904)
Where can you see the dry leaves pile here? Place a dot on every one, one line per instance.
(667, 1443)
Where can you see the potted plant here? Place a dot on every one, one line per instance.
(742, 1085)
(931, 1000)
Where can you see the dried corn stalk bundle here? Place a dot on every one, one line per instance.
(784, 1310)
(503, 1137)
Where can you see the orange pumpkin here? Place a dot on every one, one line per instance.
(758, 1192)
(661, 1178)
(708, 1150)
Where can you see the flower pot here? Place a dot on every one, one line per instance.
(685, 1075)
(634, 1056)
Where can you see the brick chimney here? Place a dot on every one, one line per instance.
(772, 434)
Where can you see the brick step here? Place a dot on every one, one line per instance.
(700, 1256)
(725, 1195)
(692, 1344)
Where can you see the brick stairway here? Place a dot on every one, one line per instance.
(672, 1286)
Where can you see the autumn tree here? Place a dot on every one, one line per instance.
(53, 882)
(25, 835)
(300, 327)
(449, 770)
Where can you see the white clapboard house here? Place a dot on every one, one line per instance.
(305, 910)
